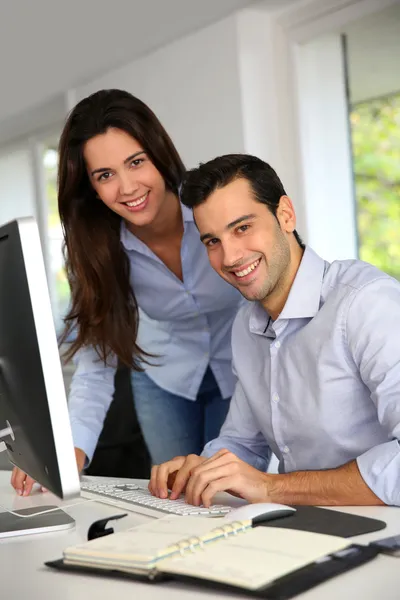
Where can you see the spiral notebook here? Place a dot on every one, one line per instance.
(230, 553)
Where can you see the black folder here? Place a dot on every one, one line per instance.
(306, 518)
(283, 588)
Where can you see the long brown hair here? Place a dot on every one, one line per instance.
(103, 310)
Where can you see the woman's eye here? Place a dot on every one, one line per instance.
(104, 176)
(137, 162)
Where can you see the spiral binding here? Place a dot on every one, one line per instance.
(194, 542)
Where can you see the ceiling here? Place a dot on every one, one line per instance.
(48, 46)
(374, 55)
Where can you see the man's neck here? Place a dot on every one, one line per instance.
(275, 302)
(167, 225)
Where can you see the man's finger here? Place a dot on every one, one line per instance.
(184, 474)
(219, 485)
(180, 482)
(201, 479)
(153, 477)
(164, 473)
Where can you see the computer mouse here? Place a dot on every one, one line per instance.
(260, 512)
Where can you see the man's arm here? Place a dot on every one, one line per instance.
(373, 338)
(341, 486)
(225, 472)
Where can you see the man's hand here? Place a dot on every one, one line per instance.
(225, 472)
(173, 475)
(23, 484)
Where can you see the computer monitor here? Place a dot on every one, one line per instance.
(34, 420)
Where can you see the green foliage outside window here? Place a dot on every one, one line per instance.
(376, 150)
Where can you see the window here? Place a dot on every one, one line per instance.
(375, 126)
(58, 283)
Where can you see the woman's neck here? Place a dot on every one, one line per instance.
(166, 226)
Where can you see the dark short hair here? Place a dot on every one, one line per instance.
(202, 181)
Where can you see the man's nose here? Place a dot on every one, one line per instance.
(232, 254)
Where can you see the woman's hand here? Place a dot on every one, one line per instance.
(23, 483)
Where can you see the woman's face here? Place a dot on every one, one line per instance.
(124, 177)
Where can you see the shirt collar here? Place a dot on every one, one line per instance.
(304, 297)
(187, 214)
(131, 242)
(305, 294)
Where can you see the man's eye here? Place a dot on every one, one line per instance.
(212, 242)
(243, 228)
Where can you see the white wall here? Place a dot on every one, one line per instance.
(17, 192)
(193, 86)
(326, 149)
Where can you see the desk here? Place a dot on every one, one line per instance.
(24, 576)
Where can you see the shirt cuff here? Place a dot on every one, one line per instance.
(380, 469)
(84, 439)
(255, 460)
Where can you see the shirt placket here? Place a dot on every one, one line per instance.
(276, 396)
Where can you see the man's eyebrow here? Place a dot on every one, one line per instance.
(127, 160)
(231, 225)
(206, 236)
(240, 220)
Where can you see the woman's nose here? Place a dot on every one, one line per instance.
(127, 185)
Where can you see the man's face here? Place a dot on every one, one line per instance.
(247, 245)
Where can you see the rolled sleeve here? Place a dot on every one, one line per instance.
(91, 394)
(241, 434)
(373, 333)
(380, 469)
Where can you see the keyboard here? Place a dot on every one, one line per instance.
(133, 497)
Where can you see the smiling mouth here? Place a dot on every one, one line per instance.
(137, 202)
(247, 271)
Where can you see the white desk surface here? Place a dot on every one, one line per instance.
(24, 576)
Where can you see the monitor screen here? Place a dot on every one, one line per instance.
(33, 405)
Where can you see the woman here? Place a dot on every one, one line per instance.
(142, 291)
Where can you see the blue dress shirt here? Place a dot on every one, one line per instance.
(320, 386)
(186, 324)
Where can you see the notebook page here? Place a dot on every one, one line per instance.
(255, 558)
(144, 544)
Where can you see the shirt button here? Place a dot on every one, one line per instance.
(275, 398)
(206, 354)
(285, 449)
(277, 344)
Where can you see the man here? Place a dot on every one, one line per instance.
(316, 353)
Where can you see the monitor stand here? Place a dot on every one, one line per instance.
(12, 525)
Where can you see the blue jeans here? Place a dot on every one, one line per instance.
(174, 426)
